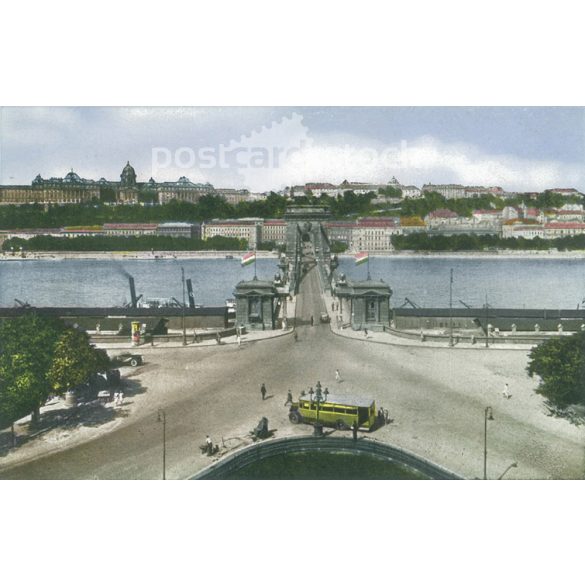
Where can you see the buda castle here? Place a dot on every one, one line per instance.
(73, 189)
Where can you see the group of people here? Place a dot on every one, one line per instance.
(118, 398)
(335, 306)
(383, 416)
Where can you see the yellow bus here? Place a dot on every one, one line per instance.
(337, 411)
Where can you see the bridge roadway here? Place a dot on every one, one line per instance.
(435, 397)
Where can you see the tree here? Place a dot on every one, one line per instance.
(560, 364)
(27, 346)
(74, 361)
(338, 247)
(38, 356)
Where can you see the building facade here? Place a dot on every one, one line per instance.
(273, 230)
(130, 229)
(447, 191)
(233, 196)
(373, 234)
(246, 229)
(181, 190)
(73, 189)
(179, 229)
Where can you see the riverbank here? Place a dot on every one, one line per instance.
(478, 254)
(214, 255)
(154, 255)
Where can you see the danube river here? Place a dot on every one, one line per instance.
(539, 282)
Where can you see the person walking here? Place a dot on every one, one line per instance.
(263, 390)
(289, 398)
(209, 445)
(312, 321)
(239, 340)
(354, 430)
(506, 391)
(337, 376)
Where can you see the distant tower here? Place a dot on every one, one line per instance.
(128, 187)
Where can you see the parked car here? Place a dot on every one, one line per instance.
(127, 359)
(324, 318)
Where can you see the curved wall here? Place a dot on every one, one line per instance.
(236, 461)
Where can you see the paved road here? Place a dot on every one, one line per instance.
(436, 399)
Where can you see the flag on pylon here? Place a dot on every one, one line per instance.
(248, 258)
(361, 257)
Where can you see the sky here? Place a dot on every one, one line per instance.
(263, 148)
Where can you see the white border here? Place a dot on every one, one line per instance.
(302, 53)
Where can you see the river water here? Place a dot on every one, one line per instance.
(540, 282)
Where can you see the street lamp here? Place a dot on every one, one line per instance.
(162, 417)
(318, 427)
(487, 331)
(451, 309)
(183, 307)
(488, 415)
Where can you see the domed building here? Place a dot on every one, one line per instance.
(74, 189)
(128, 176)
(128, 189)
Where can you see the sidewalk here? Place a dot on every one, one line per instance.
(343, 329)
(248, 337)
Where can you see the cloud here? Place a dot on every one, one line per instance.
(425, 160)
(97, 142)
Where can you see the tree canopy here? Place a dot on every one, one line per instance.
(40, 356)
(560, 365)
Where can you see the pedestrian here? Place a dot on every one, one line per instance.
(116, 398)
(289, 398)
(354, 430)
(218, 338)
(386, 416)
(365, 332)
(263, 390)
(333, 306)
(121, 398)
(506, 391)
(312, 321)
(209, 445)
(296, 335)
(239, 340)
(337, 376)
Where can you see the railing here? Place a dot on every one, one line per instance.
(471, 339)
(257, 452)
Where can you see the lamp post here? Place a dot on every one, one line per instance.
(487, 332)
(488, 415)
(318, 427)
(451, 309)
(183, 307)
(162, 417)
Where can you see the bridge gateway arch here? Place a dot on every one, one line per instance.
(304, 223)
